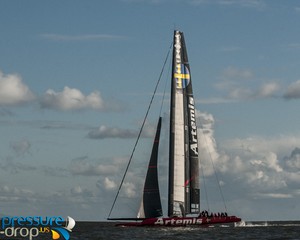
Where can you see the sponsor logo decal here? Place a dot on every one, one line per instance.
(178, 221)
(182, 76)
(177, 46)
(193, 130)
(181, 72)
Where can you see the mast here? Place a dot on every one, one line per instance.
(184, 192)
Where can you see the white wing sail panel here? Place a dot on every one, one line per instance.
(183, 151)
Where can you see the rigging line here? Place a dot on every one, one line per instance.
(215, 172)
(140, 132)
(164, 94)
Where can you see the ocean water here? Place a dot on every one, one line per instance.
(247, 230)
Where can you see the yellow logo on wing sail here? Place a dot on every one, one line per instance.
(182, 76)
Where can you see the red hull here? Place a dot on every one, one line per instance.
(181, 221)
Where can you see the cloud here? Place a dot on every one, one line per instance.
(230, 49)
(146, 1)
(297, 9)
(84, 37)
(84, 166)
(21, 147)
(273, 195)
(255, 4)
(5, 112)
(293, 91)
(109, 184)
(258, 164)
(231, 80)
(54, 171)
(240, 93)
(208, 147)
(9, 164)
(111, 132)
(80, 191)
(14, 194)
(60, 202)
(243, 3)
(267, 90)
(241, 84)
(293, 161)
(13, 91)
(259, 144)
(294, 46)
(129, 189)
(262, 164)
(71, 99)
(214, 100)
(236, 73)
(61, 125)
(16, 163)
(127, 192)
(104, 132)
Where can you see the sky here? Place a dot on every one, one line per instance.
(76, 78)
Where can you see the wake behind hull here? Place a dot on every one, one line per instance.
(181, 221)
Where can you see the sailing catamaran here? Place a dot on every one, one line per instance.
(184, 185)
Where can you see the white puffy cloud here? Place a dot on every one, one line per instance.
(71, 99)
(207, 143)
(129, 189)
(109, 184)
(13, 91)
(258, 164)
